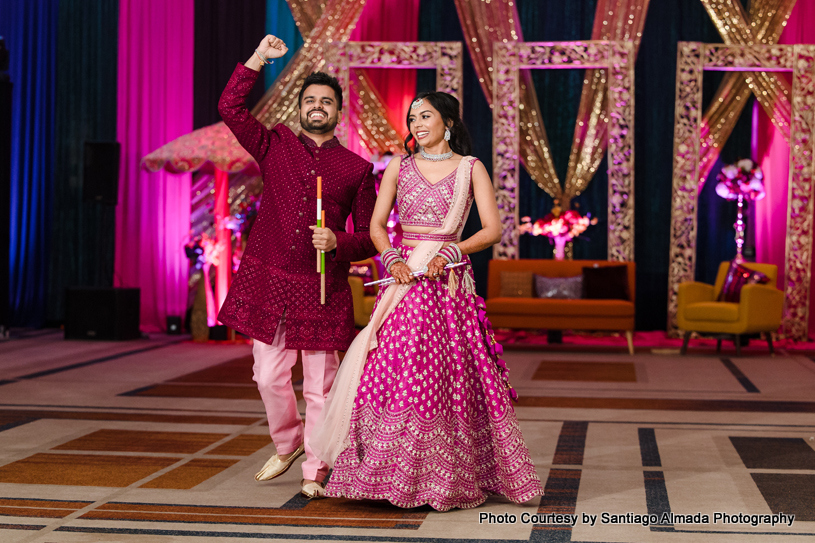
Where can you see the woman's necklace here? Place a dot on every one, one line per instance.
(435, 158)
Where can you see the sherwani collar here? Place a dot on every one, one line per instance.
(311, 144)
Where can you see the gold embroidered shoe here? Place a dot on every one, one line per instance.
(276, 467)
(312, 490)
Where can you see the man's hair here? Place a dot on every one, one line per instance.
(322, 78)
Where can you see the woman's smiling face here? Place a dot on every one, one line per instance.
(426, 124)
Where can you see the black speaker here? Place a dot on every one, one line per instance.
(100, 173)
(4, 55)
(102, 313)
(219, 332)
(173, 325)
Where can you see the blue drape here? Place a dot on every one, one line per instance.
(280, 23)
(30, 29)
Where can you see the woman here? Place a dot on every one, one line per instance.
(420, 412)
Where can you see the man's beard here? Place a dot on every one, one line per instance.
(318, 126)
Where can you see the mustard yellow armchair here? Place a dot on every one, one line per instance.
(758, 311)
(363, 305)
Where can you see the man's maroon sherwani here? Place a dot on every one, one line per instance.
(278, 273)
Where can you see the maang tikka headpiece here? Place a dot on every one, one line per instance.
(417, 103)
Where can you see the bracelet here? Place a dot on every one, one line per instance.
(390, 265)
(451, 253)
(389, 254)
(263, 60)
(390, 257)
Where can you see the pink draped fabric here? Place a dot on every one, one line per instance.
(224, 238)
(773, 154)
(154, 107)
(395, 87)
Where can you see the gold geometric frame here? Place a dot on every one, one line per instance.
(444, 57)
(693, 58)
(615, 56)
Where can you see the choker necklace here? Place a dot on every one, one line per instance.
(435, 158)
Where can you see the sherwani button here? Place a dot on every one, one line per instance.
(313, 172)
(305, 198)
(300, 214)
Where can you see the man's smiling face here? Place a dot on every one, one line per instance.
(318, 109)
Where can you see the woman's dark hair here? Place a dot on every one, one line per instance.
(322, 78)
(448, 107)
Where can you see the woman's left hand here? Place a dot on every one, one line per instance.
(436, 268)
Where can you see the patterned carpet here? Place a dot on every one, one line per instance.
(158, 441)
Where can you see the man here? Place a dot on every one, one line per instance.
(275, 298)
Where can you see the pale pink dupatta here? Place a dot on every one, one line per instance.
(330, 434)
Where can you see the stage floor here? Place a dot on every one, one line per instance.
(159, 439)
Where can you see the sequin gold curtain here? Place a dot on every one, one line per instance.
(320, 23)
(334, 23)
(614, 20)
(486, 22)
(761, 25)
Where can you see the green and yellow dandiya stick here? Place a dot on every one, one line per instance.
(322, 267)
(320, 224)
(319, 216)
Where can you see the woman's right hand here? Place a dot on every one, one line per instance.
(402, 274)
(272, 47)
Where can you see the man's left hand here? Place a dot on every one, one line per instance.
(323, 239)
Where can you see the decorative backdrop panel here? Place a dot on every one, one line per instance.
(692, 59)
(444, 57)
(617, 57)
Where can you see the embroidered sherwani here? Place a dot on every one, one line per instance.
(278, 273)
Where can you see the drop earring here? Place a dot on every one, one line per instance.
(446, 134)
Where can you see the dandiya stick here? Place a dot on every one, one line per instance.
(322, 267)
(417, 273)
(319, 216)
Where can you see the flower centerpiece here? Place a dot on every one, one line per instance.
(558, 226)
(740, 181)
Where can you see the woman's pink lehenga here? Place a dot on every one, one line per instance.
(432, 420)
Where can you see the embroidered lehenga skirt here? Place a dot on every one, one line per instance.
(432, 421)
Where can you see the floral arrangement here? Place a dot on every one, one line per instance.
(204, 249)
(559, 226)
(740, 181)
(570, 224)
(245, 215)
(743, 179)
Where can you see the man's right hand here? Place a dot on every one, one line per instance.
(272, 47)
